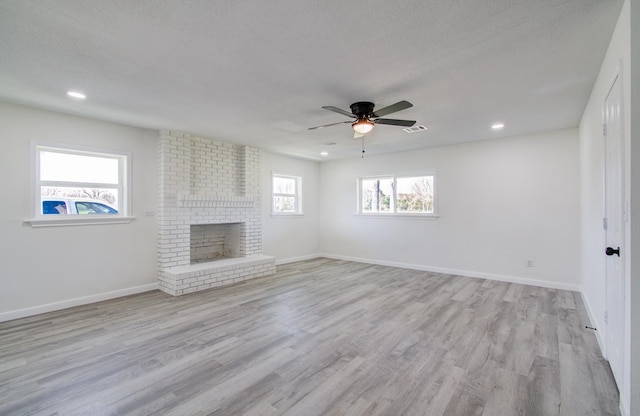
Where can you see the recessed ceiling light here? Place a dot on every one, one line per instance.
(497, 126)
(77, 95)
(324, 153)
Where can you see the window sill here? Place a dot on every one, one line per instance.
(286, 215)
(65, 222)
(427, 217)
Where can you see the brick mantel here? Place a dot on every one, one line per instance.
(215, 201)
(204, 181)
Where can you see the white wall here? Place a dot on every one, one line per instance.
(44, 269)
(591, 183)
(501, 202)
(296, 237)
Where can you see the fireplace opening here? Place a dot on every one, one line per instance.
(211, 242)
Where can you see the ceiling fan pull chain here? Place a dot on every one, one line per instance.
(363, 147)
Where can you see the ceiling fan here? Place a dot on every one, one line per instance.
(365, 116)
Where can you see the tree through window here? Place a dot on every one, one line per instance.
(397, 194)
(286, 194)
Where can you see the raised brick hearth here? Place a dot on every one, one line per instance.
(206, 182)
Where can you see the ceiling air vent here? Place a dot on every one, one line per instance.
(415, 129)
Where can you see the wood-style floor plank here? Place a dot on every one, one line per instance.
(320, 337)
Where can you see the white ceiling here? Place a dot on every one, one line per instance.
(258, 72)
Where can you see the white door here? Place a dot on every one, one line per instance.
(614, 223)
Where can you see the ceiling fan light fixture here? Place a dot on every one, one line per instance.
(362, 126)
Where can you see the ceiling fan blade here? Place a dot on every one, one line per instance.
(394, 122)
(400, 105)
(327, 125)
(339, 111)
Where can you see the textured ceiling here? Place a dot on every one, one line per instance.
(258, 72)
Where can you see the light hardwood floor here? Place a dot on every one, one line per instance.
(321, 337)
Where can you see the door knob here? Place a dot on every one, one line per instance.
(611, 251)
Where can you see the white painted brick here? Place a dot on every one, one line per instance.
(203, 181)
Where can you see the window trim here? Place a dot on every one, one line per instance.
(395, 214)
(298, 195)
(37, 219)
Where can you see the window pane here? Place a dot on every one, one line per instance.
(68, 167)
(415, 194)
(284, 185)
(87, 207)
(377, 195)
(106, 197)
(284, 204)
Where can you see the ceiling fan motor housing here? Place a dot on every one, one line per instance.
(362, 108)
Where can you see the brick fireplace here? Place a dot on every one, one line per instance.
(209, 216)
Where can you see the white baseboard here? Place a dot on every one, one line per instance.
(594, 322)
(50, 307)
(295, 259)
(623, 410)
(458, 272)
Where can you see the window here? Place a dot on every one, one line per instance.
(395, 194)
(79, 183)
(286, 194)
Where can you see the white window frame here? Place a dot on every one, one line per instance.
(394, 213)
(297, 195)
(37, 219)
